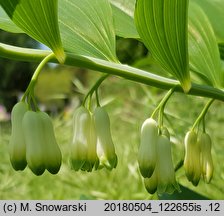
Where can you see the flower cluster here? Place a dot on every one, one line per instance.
(198, 159)
(33, 142)
(92, 145)
(155, 159)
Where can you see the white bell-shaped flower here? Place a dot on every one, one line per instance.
(147, 149)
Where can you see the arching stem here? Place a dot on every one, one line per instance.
(94, 88)
(202, 115)
(161, 106)
(34, 78)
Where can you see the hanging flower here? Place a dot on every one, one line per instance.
(164, 167)
(52, 152)
(105, 146)
(92, 159)
(147, 149)
(83, 147)
(192, 164)
(206, 157)
(17, 145)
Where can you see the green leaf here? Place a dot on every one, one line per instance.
(162, 26)
(6, 23)
(123, 14)
(87, 28)
(221, 50)
(203, 49)
(214, 9)
(39, 19)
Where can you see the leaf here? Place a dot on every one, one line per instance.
(203, 48)
(39, 19)
(221, 50)
(123, 14)
(214, 9)
(87, 28)
(6, 23)
(162, 26)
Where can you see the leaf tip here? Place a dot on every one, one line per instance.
(60, 55)
(186, 85)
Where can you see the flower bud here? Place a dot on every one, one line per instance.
(164, 168)
(105, 145)
(206, 157)
(147, 148)
(17, 145)
(192, 164)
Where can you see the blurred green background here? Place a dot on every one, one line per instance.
(60, 90)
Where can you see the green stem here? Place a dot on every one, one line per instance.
(36, 74)
(179, 165)
(203, 124)
(160, 119)
(94, 87)
(137, 75)
(89, 103)
(162, 103)
(202, 114)
(34, 102)
(97, 98)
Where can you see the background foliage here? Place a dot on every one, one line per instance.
(15, 76)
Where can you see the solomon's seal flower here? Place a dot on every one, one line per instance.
(52, 151)
(164, 167)
(35, 143)
(147, 148)
(83, 148)
(17, 145)
(206, 157)
(192, 163)
(105, 145)
(92, 159)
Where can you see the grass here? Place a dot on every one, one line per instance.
(128, 105)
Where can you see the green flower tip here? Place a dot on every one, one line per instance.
(88, 166)
(76, 164)
(108, 163)
(145, 169)
(151, 183)
(169, 188)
